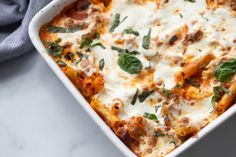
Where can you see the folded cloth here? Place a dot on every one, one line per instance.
(15, 16)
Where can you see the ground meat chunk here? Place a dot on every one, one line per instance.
(193, 37)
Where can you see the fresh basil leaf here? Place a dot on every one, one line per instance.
(117, 22)
(54, 49)
(150, 116)
(98, 44)
(147, 40)
(219, 92)
(225, 70)
(101, 64)
(135, 97)
(130, 63)
(61, 63)
(144, 95)
(131, 31)
(120, 50)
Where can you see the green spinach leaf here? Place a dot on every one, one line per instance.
(225, 70)
(130, 63)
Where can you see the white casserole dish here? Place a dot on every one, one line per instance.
(46, 15)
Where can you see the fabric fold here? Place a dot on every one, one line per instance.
(15, 16)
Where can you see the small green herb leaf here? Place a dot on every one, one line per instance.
(192, 82)
(173, 142)
(56, 29)
(130, 63)
(150, 116)
(167, 93)
(218, 93)
(135, 97)
(61, 63)
(81, 56)
(205, 18)
(101, 64)
(69, 56)
(179, 86)
(117, 22)
(144, 95)
(157, 108)
(190, 1)
(54, 49)
(147, 40)
(225, 70)
(120, 50)
(131, 31)
(74, 29)
(98, 44)
(226, 91)
(85, 42)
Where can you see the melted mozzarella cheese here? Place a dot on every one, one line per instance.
(197, 112)
(166, 73)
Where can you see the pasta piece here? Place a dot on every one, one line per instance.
(194, 67)
(227, 99)
(92, 85)
(211, 3)
(105, 113)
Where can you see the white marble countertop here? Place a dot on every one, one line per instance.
(39, 118)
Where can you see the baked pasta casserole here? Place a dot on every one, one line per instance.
(156, 71)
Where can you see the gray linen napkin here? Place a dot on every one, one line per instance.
(15, 16)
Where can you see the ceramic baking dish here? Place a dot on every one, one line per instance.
(45, 15)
